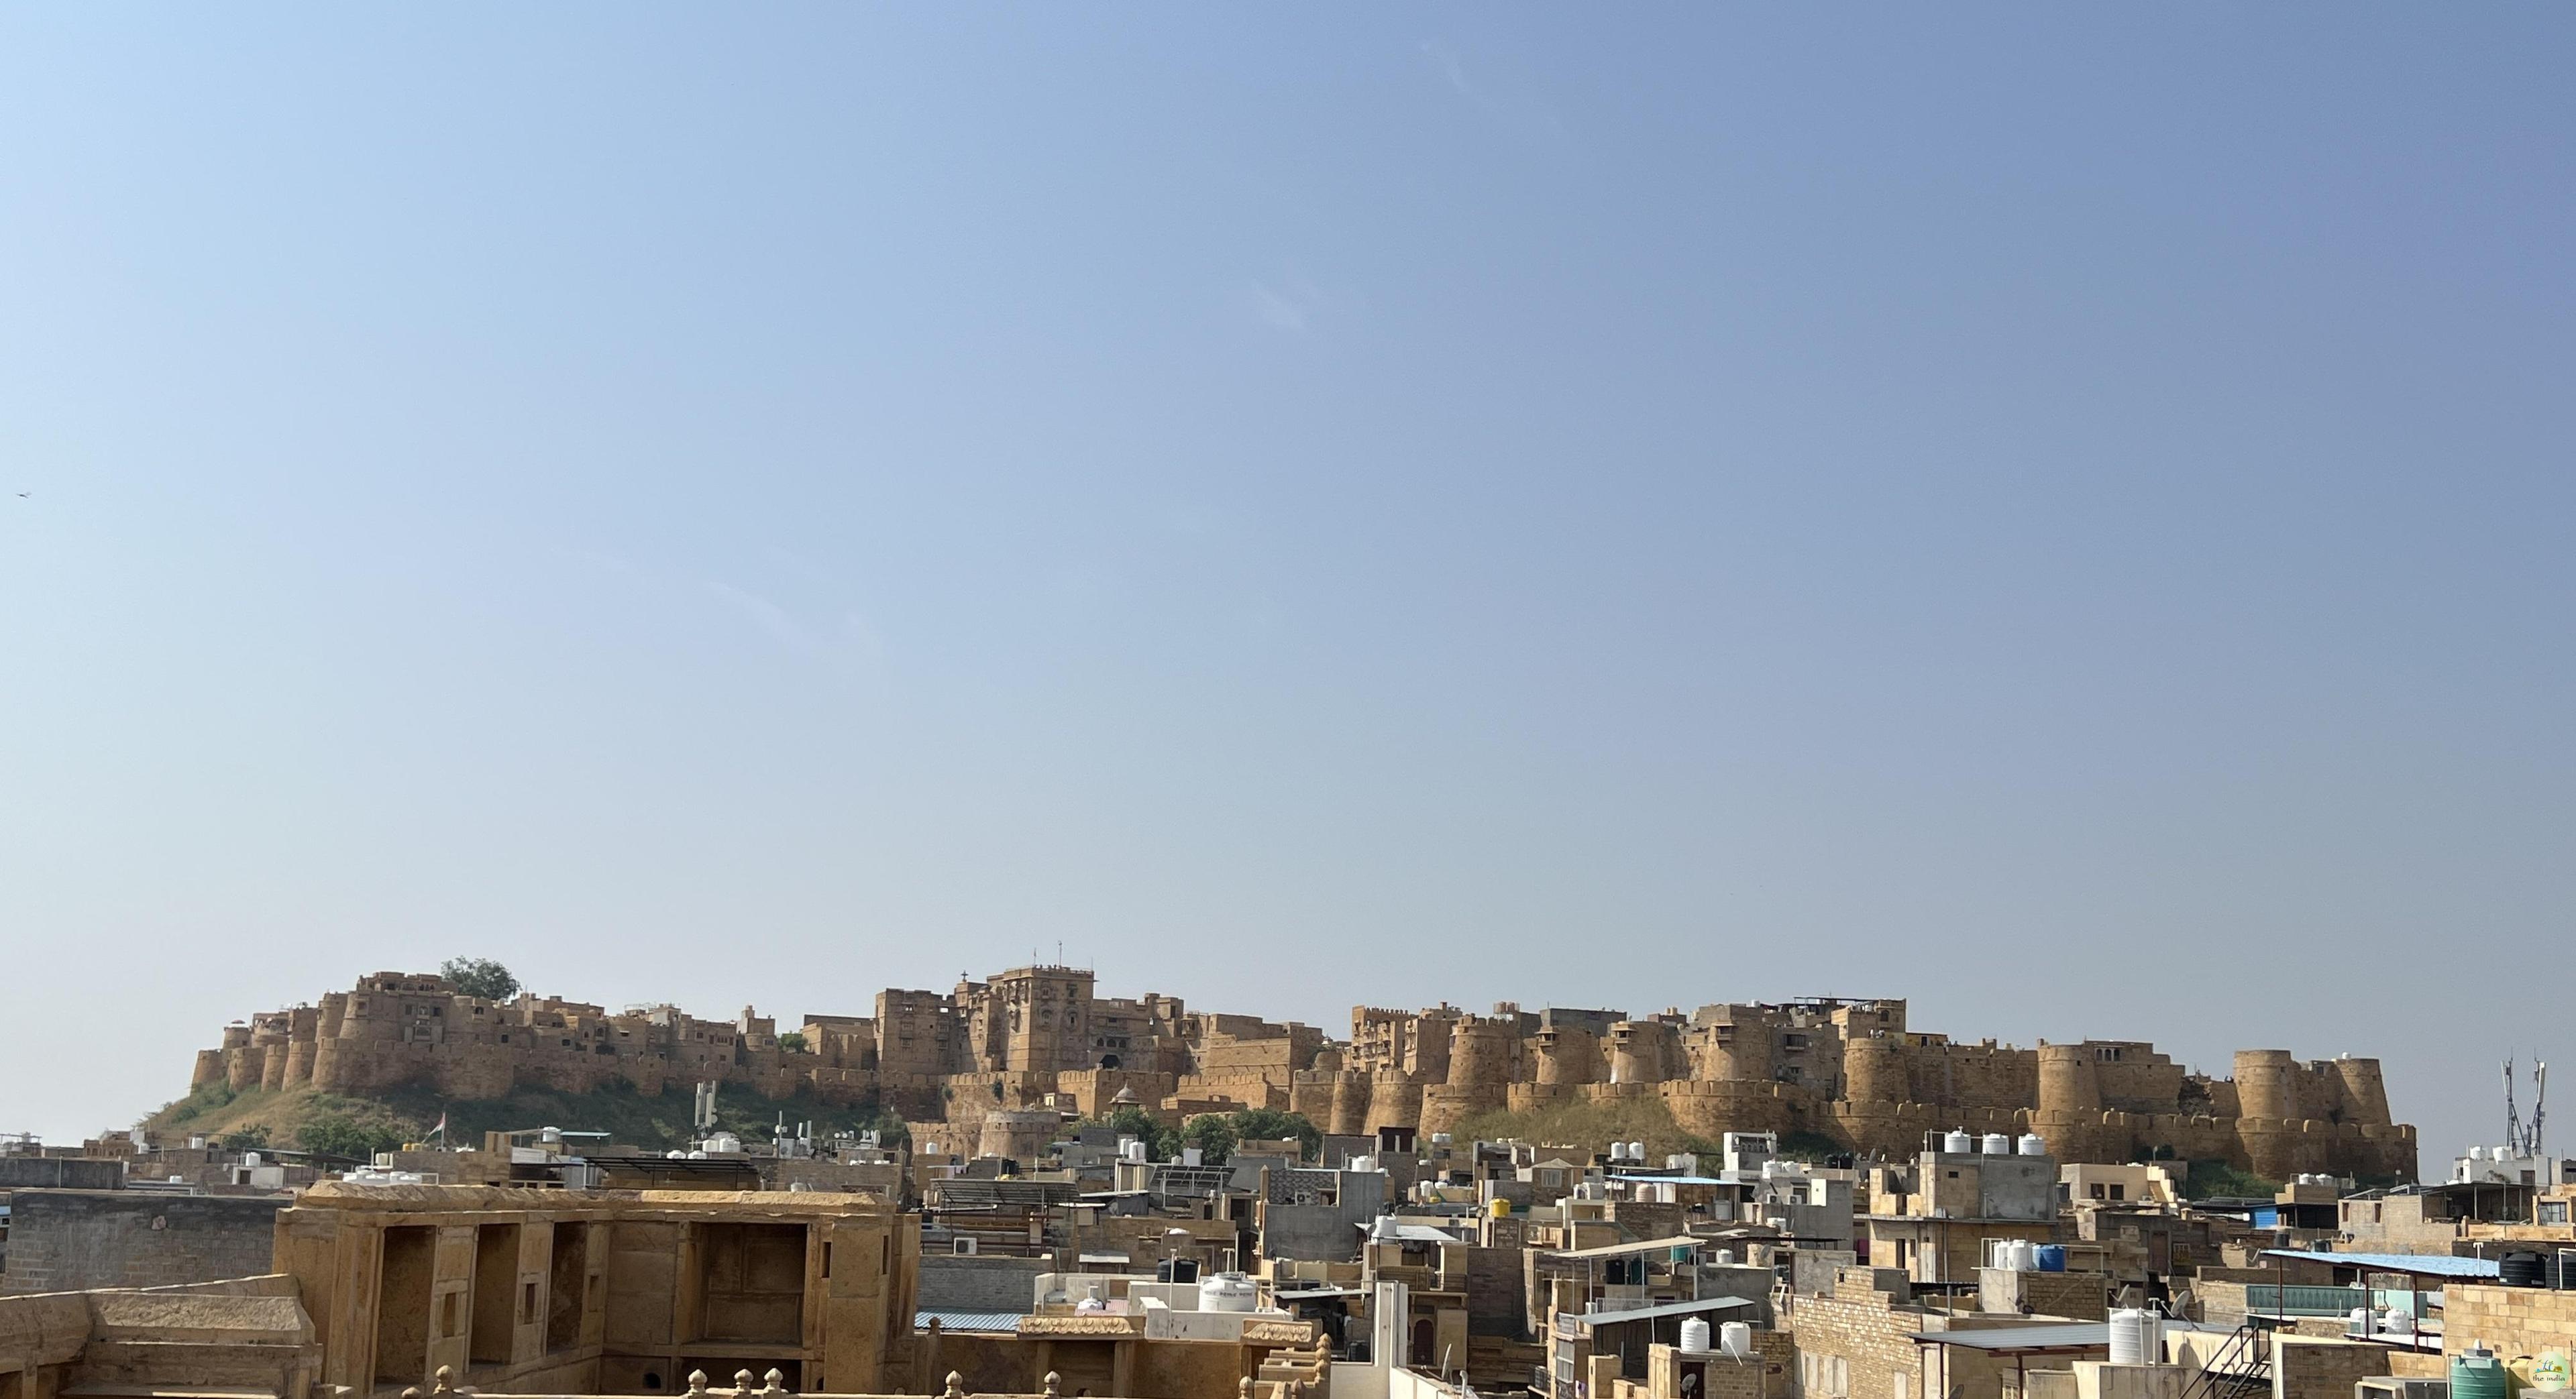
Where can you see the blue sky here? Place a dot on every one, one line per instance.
(2062, 516)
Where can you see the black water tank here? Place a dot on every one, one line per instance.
(2521, 1270)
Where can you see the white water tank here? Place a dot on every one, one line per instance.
(1695, 1335)
(1131, 1149)
(2033, 1144)
(2137, 1337)
(1227, 1292)
(1736, 1339)
(1997, 1144)
(1959, 1144)
(1724, 1257)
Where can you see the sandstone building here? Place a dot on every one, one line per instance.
(1853, 1071)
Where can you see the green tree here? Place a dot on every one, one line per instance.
(480, 977)
(1270, 1124)
(1161, 1142)
(339, 1134)
(1213, 1135)
(250, 1138)
(793, 1041)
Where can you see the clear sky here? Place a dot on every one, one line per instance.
(2062, 514)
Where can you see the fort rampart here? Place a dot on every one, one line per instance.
(1848, 1071)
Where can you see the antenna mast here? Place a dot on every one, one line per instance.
(2539, 1101)
(2512, 1119)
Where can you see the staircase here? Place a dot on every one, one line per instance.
(2241, 1367)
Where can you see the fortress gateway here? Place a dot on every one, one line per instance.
(1038, 1037)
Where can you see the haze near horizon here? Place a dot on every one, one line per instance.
(2061, 517)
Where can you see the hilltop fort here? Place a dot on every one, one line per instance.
(1040, 1037)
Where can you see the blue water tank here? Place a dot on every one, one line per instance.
(2052, 1258)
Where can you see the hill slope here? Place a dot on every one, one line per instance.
(318, 1121)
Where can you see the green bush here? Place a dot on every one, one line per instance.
(480, 977)
(246, 1139)
(1811, 1147)
(793, 1041)
(204, 1100)
(339, 1134)
(2208, 1178)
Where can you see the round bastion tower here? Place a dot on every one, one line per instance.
(1637, 1051)
(2365, 1095)
(1565, 1054)
(1483, 1053)
(1874, 1072)
(1734, 1051)
(2267, 1084)
(2070, 1102)
(1350, 1103)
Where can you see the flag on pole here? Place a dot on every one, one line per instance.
(440, 1131)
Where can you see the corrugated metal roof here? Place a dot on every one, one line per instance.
(1670, 1179)
(1704, 1304)
(1617, 1250)
(966, 1321)
(2435, 1265)
(1408, 1233)
(2068, 1335)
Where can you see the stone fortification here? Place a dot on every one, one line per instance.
(1037, 1038)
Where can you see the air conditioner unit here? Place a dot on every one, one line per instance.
(961, 1248)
